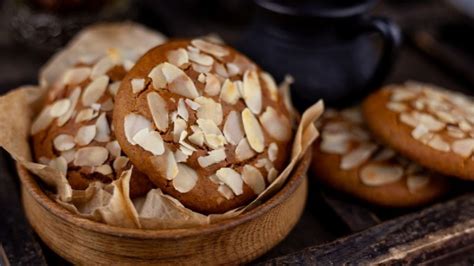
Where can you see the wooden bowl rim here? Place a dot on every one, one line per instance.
(32, 187)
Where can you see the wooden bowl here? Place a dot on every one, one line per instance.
(237, 240)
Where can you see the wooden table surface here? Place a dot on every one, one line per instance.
(325, 233)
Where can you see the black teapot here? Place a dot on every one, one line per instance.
(326, 45)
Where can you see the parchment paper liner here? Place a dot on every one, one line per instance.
(110, 203)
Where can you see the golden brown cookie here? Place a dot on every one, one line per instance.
(204, 123)
(429, 125)
(73, 134)
(347, 158)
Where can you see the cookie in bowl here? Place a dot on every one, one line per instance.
(204, 123)
(430, 125)
(347, 158)
(73, 131)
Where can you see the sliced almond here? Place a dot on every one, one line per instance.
(114, 149)
(119, 163)
(182, 110)
(439, 144)
(150, 140)
(179, 126)
(264, 162)
(86, 115)
(210, 48)
(85, 135)
(68, 155)
(76, 75)
(272, 175)
(399, 95)
(197, 138)
(104, 169)
(464, 126)
(113, 88)
(107, 106)
(419, 131)
(186, 179)
(90, 156)
(272, 151)
(357, 156)
(103, 129)
(232, 69)
(200, 59)
(42, 121)
(271, 85)
(137, 85)
(213, 157)
(252, 92)
(60, 107)
(233, 129)
(253, 131)
(408, 119)
(463, 147)
(200, 68)
(64, 142)
(416, 182)
(59, 164)
(134, 123)
(158, 80)
(102, 67)
(209, 109)
(128, 64)
(166, 164)
(74, 98)
(445, 117)
(384, 155)
(94, 90)
(158, 110)
(221, 70)
(225, 191)
(277, 126)
(243, 151)
(202, 78)
(396, 107)
(213, 85)
(380, 174)
(229, 92)
(192, 104)
(180, 156)
(178, 81)
(455, 132)
(253, 178)
(430, 122)
(178, 57)
(232, 179)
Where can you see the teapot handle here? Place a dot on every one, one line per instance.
(392, 38)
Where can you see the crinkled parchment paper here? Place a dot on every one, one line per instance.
(110, 203)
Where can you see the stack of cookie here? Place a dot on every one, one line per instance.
(397, 149)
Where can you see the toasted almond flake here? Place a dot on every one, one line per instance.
(74, 98)
(232, 179)
(426, 138)
(104, 169)
(85, 135)
(221, 70)
(272, 151)
(128, 64)
(438, 143)
(357, 156)
(233, 129)
(396, 107)
(430, 122)
(335, 146)
(86, 115)
(209, 109)
(464, 126)
(253, 178)
(197, 138)
(59, 164)
(186, 178)
(68, 155)
(277, 126)
(380, 174)
(408, 119)
(213, 157)
(445, 117)
(103, 130)
(232, 69)
(180, 156)
(200, 68)
(210, 48)
(119, 163)
(94, 90)
(158, 80)
(229, 92)
(96, 106)
(243, 151)
(419, 131)
(416, 182)
(184, 144)
(225, 191)
(178, 81)
(213, 85)
(178, 57)
(418, 104)
(384, 155)
(202, 78)
(107, 106)
(463, 147)
(399, 95)
(270, 84)
(113, 88)
(102, 67)
(134, 123)
(60, 107)
(150, 140)
(137, 85)
(179, 126)
(253, 131)
(200, 59)
(182, 110)
(455, 132)
(192, 104)
(272, 175)
(43, 120)
(252, 92)
(114, 149)
(90, 156)
(264, 162)
(208, 127)
(76, 75)
(158, 110)
(64, 142)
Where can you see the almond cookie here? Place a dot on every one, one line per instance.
(73, 132)
(348, 158)
(432, 126)
(204, 123)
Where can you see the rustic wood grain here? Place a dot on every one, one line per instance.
(236, 240)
